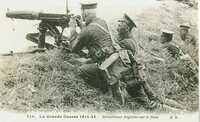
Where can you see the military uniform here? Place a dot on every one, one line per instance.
(96, 38)
(173, 49)
(136, 87)
(166, 41)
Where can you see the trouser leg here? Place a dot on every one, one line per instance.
(93, 76)
(115, 71)
(148, 90)
(116, 91)
(97, 78)
(136, 91)
(174, 104)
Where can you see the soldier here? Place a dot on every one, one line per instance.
(126, 42)
(166, 41)
(185, 35)
(137, 87)
(110, 61)
(96, 38)
(178, 54)
(175, 51)
(190, 41)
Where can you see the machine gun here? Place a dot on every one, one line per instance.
(47, 26)
(54, 19)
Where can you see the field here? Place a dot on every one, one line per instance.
(49, 81)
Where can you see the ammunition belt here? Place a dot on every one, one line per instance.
(100, 54)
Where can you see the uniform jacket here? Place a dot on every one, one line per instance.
(127, 44)
(94, 39)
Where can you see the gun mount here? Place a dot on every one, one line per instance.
(49, 23)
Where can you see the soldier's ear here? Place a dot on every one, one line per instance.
(128, 28)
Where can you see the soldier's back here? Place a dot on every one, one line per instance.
(99, 33)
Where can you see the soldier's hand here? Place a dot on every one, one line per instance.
(79, 21)
(72, 23)
(72, 26)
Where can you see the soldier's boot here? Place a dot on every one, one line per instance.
(166, 108)
(117, 93)
(124, 92)
(149, 92)
(109, 93)
(157, 106)
(173, 103)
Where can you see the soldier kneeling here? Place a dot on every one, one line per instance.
(136, 87)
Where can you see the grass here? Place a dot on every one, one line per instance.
(169, 16)
(49, 81)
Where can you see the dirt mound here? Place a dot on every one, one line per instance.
(50, 81)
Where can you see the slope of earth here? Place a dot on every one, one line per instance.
(49, 81)
(169, 15)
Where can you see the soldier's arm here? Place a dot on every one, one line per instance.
(129, 45)
(173, 50)
(81, 41)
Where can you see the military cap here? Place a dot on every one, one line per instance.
(129, 21)
(185, 25)
(88, 4)
(167, 32)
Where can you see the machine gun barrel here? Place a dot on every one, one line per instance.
(23, 15)
(51, 18)
(34, 15)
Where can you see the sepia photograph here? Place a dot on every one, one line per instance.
(105, 59)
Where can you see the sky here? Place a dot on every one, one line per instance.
(13, 32)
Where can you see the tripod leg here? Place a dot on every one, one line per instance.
(42, 32)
